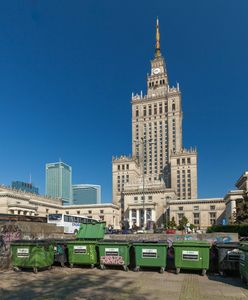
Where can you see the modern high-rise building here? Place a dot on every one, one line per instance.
(86, 194)
(160, 168)
(59, 181)
(24, 186)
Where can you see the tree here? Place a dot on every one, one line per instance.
(172, 223)
(241, 215)
(182, 223)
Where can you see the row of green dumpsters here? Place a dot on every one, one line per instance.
(187, 254)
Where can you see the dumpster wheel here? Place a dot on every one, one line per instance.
(35, 270)
(16, 269)
(136, 269)
(204, 271)
(92, 266)
(102, 267)
(161, 270)
(125, 267)
(177, 270)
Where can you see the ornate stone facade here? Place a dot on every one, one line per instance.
(159, 168)
(23, 203)
(200, 212)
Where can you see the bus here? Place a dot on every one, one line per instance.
(71, 223)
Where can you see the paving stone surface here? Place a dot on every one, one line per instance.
(83, 283)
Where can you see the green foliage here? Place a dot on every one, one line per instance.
(182, 223)
(241, 229)
(172, 223)
(192, 226)
(241, 216)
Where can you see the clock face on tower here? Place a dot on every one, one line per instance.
(156, 71)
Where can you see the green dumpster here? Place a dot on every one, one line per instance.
(94, 230)
(82, 252)
(32, 254)
(115, 253)
(150, 254)
(191, 254)
(243, 261)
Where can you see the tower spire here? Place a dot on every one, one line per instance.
(157, 49)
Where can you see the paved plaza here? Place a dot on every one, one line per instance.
(82, 283)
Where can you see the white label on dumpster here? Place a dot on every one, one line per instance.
(233, 255)
(149, 253)
(111, 251)
(190, 255)
(80, 249)
(22, 252)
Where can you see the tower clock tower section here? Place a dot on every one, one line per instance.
(157, 121)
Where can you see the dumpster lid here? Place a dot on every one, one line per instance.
(64, 240)
(32, 242)
(143, 242)
(191, 243)
(82, 241)
(228, 245)
(113, 242)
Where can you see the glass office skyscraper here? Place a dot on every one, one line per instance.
(24, 186)
(59, 181)
(86, 194)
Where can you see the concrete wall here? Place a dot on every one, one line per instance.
(211, 237)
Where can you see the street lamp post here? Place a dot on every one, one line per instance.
(143, 143)
(143, 175)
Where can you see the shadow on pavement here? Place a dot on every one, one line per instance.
(231, 280)
(81, 285)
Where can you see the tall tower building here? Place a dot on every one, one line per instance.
(59, 181)
(158, 157)
(24, 186)
(157, 120)
(86, 194)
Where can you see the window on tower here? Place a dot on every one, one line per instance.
(144, 111)
(150, 110)
(160, 108)
(155, 109)
(166, 107)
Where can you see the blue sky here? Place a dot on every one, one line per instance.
(68, 68)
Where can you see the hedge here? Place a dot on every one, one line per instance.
(241, 229)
